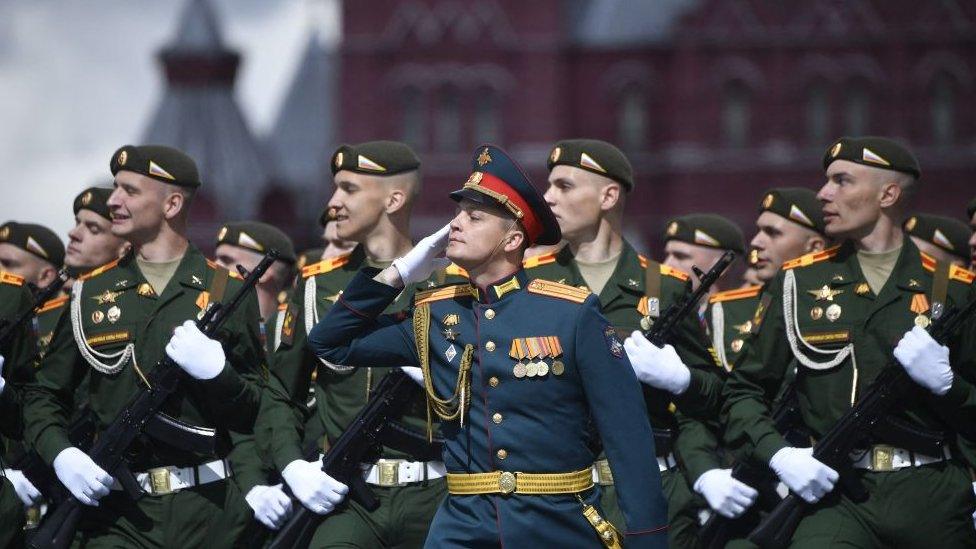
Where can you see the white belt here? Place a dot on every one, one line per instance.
(400, 472)
(160, 481)
(604, 477)
(888, 458)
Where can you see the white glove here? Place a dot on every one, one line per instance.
(658, 367)
(926, 362)
(974, 512)
(81, 476)
(317, 491)
(803, 474)
(727, 496)
(271, 505)
(415, 374)
(3, 382)
(25, 489)
(420, 262)
(197, 354)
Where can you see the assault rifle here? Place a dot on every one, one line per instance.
(41, 297)
(662, 330)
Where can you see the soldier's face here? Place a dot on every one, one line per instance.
(138, 206)
(478, 233)
(229, 257)
(359, 202)
(972, 242)
(851, 198)
(21, 263)
(776, 241)
(91, 242)
(577, 198)
(682, 256)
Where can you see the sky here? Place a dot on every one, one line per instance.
(79, 78)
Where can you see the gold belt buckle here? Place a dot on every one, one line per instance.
(33, 517)
(389, 472)
(603, 473)
(882, 457)
(506, 482)
(159, 481)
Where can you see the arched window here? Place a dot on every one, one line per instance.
(857, 109)
(447, 129)
(413, 117)
(817, 113)
(736, 113)
(487, 125)
(632, 119)
(942, 109)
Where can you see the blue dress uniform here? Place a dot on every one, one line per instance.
(534, 365)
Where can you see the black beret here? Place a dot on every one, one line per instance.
(36, 239)
(159, 162)
(797, 204)
(709, 230)
(595, 156)
(877, 152)
(310, 256)
(257, 237)
(94, 199)
(971, 208)
(375, 158)
(948, 233)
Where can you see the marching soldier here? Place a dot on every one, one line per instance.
(31, 251)
(838, 315)
(376, 185)
(699, 240)
(589, 181)
(514, 388)
(122, 315)
(943, 238)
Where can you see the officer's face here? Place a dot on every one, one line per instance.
(140, 206)
(359, 202)
(777, 240)
(91, 242)
(22, 263)
(478, 233)
(577, 198)
(682, 256)
(972, 243)
(852, 198)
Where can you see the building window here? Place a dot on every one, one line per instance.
(447, 129)
(413, 129)
(817, 114)
(487, 125)
(943, 110)
(736, 114)
(857, 109)
(632, 119)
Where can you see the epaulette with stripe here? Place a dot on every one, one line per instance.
(538, 260)
(455, 270)
(672, 272)
(438, 294)
(325, 265)
(95, 272)
(557, 290)
(955, 271)
(52, 304)
(643, 261)
(738, 293)
(811, 258)
(233, 272)
(11, 278)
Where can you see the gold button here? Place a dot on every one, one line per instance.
(502, 454)
(490, 314)
(493, 381)
(490, 346)
(496, 417)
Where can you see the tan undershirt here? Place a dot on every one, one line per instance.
(877, 267)
(378, 264)
(159, 274)
(597, 274)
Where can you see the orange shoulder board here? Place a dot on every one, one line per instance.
(811, 258)
(955, 271)
(738, 293)
(643, 261)
(672, 272)
(52, 304)
(455, 270)
(95, 272)
(325, 266)
(537, 260)
(555, 289)
(11, 278)
(438, 294)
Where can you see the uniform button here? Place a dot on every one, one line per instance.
(502, 454)
(490, 346)
(493, 381)
(490, 314)
(496, 417)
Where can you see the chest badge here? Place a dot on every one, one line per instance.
(449, 334)
(114, 314)
(833, 312)
(920, 306)
(450, 353)
(106, 297)
(825, 293)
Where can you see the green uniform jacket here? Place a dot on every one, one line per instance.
(114, 308)
(47, 318)
(18, 352)
(340, 391)
(835, 308)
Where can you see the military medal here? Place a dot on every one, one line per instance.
(816, 313)
(114, 313)
(919, 306)
(97, 317)
(531, 369)
(543, 368)
(518, 353)
(736, 345)
(833, 312)
(558, 367)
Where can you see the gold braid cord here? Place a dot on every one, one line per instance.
(454, 406)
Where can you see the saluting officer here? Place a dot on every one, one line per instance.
(121, 317)
(515, 369)
(841, 315)
(943, 238)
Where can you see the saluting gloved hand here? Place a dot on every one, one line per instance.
(729, 497)
(415, 374)
(926, 362)
(26, 491)
(420, 262)
(271, 505)
(659, 367)
(82, 476)
(317, 491)
(802, 473)
(197, 354)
